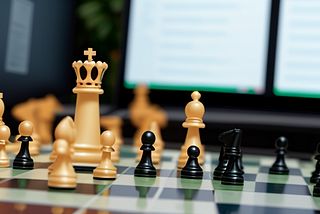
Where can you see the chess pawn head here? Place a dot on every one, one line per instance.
(4, 134)
(194, 111)
(89, 73)
(107, 140)
(148, 138)
(193, 152)
(281, 143)
(26, 128)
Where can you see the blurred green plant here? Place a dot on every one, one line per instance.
(99, 27)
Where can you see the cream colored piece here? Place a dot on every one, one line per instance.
(194, 111)
(158, 144)
(4, 136)
(114, 124)
(106, 170)
(63, 175)
(87, 114)
(1, 109)
(65, 130)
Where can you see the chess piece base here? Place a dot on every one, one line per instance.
(64, 182)
(4, 162)
(23, 163)
(145, 172)
(105, 174)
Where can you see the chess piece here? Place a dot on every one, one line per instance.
(233, 175)
(192, 169)
(194, 111)
(279, 167)
(158, 145)
(65, 130)
(316, 173)
(47, 107)
(106, 170)
(223, 163)
(63, 175)
(87, 113)
(1, 109)
(114, 124)
(4, 136)
(145, 168)
(23, 159)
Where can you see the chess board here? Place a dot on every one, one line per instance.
(27, 191)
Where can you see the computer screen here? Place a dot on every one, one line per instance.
(297, 65)
(239, 54)
(36, 49)
(219, 46)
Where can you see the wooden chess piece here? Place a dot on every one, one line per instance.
(192, 169)
(87, 113)
(47, 107)
(63, 175)
(194, 111)
(4, 136)
(106, 170)
(145, 167)
(1, 109)
(158, 144)
(114, 124)
(23, 159)
(233, 175)
(65, 130)
(279, 167)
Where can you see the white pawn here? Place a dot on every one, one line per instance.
(106, 170)
(4, 136)
(63, 175)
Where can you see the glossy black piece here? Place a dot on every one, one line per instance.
(316, 173)
(23, 159)
(233, 175)
(145, 168)
(279, 167)
(192, 169)
(222, 166)
(316, 189)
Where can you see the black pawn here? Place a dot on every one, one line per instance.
(23, 159)
(316, 173)
(145, 168)
(192, 169)
(279, 167)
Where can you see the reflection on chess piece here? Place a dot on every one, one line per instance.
(106, 170)
(87, 113)
(63, 175)
(65, 130)
(4, 136)
(57, 210)
(194, 111)
(23, 159)
(114, 124)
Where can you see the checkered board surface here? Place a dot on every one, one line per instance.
(26, 191)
